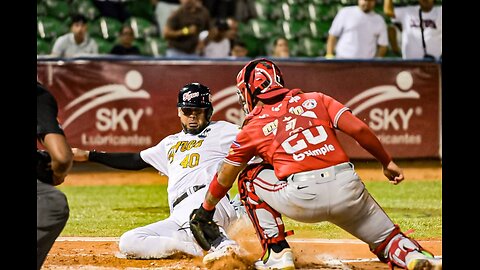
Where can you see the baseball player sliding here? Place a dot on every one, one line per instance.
(190, 159)
(306, 176)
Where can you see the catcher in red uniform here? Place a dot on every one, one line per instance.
(305, 175)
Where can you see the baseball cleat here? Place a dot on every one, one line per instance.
(227, 248)
(278, 261)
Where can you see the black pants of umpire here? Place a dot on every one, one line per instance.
(52, 215)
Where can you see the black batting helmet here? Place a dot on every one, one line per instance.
(196, 95)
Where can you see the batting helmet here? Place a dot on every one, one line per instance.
(259, 79)
(196, 95)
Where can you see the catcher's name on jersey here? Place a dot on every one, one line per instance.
(188, 160)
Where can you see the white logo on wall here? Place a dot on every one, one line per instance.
(225, 98)
(383, 119)
(112, 119)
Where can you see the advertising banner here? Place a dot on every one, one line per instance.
(127, 106)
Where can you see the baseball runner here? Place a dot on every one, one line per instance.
(190, 159)
(53, 165)
(311, 180)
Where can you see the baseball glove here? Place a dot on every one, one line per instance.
(204, 229)
(44, 169)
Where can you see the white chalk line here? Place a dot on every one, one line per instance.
(294, 240)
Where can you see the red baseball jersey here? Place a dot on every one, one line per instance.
(294, 135)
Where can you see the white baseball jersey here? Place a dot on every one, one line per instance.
(409, 18)
(358, 33)
(190, 160)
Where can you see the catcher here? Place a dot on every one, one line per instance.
(311, 180)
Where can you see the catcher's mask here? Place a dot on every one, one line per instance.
(259, 79)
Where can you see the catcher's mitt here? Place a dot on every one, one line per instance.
(204, 229)
(44, 169)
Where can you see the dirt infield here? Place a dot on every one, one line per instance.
(100, 253)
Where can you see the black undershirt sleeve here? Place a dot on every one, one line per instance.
(122, 161)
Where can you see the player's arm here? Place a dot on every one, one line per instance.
(122, 161)
(331, 42)
(60, 154)
(360, 131)
(388, 8)
(222, 182)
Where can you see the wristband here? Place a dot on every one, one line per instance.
(216, 189)
(185, 31)
(329, 56)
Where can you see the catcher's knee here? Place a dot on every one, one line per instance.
(396, 247)
(267, 221)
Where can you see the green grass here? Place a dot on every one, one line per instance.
(112, 210)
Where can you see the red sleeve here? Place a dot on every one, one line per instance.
(334, 108)
(358, 130)
(242, 149)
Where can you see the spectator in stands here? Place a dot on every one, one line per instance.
(220, 9)
(239, 49)
(217, 44)
(232, 32)
(421, 28)
(125, 44)
(357, 32)
(163, 10)
(77, 42)
(280, 48)
(183, 28)
(112, 8)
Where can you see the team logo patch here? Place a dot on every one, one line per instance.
(309, 104)
(189, 95)
(270, 128)
(296, 110)
(294, 99)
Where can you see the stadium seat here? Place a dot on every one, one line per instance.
(155, 46)
(50, 28)
(44, 47)
(87, 8)
(104, 45)
(58, 9)
(319, 29)
(295, 29)
(349, 2)
(311, 47)
(41, 9)
(261, 28)
(105, 27)
(255, 46)
(142, 28)
(140, 8)
(264, 10)
(294, 11)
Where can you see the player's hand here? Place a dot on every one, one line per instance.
(203, 228)
(80, 154)
(393, 173)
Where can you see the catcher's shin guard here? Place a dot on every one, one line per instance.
(258, 210)
(395, 249)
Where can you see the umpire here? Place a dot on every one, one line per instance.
(53, 166)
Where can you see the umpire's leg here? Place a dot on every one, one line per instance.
(52, 215)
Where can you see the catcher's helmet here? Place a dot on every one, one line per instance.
(259, 79)
(196, 95)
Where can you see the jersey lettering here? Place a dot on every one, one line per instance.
(301, 144)
(190, 161)
(183, 146)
